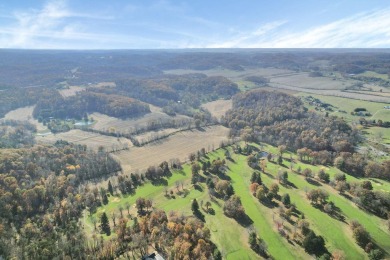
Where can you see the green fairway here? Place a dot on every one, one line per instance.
(278, 246)
(232, 238)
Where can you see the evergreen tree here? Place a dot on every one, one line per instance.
(105, 199)
(110, 189)
(194, 206)
(286, 199)
(104, 224)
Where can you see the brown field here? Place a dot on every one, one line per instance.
(178, 146)
(25, 114)
(144, 137)
(372, 93)
(218, 108)
(71, 91)
(337, 93)
(92, 140)
(294, 82)
(302, 80)
(105, 122)
(105, 84)
(233, 74)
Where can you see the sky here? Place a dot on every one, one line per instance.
(173, 24)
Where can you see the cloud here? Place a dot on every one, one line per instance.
(56, 25)
(51, 22)
(244, 39)
(367, 30)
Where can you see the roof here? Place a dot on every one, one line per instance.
(153, 256)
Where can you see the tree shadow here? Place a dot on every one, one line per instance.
(336, 213)
(244, 220)
(289, 185)
(347, 196)
(199, 215)
(269, 175)
(198, 187)
(313, 182)
(224, 177)
(269, 203)
(159, 182)
(231, 159)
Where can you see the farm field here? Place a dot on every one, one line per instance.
(282, 79)
(348, 105)
(333, 93)
(71, 91)
(232, 237)
(92, 140)
(106, 123)
(146, 137)
(25, 114)
(179, 146)
(218, 108)
(303, 80)
(235, 75)
(380, 134)
(373, 74)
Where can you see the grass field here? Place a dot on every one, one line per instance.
(71, 91)
(218, 108)
(233, 74)
(283, 79)
(92, 140)
(104, 122)
(379, 134)
(25, 114)
(373, 74)
(231, 237)
(303, 80)
(348, 105)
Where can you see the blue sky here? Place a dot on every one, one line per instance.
(167, 24)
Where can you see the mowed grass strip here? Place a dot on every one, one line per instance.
(278, 247)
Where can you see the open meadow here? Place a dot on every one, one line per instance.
(25, 114)
(303, 80)
(218, 108)
(348, 105)
(92, 140)
(70, 91)
(107, 123)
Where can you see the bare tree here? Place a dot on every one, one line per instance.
(113, 217)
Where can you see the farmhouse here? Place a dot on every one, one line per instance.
(386, 107)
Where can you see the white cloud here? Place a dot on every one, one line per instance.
(55, 25)
(247, 38)
(364, 30)
(49, 23)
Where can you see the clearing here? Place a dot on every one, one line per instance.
(70, 91)
(107, 123)
(178, 146)
(218, 108)
(25, 114)
(92, 140)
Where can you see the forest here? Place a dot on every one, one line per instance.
(53, 105)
